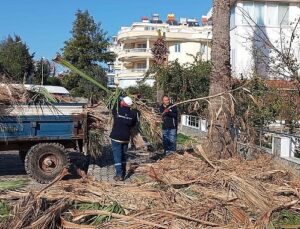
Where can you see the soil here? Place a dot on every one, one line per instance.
(101, 169)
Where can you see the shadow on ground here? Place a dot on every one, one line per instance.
(10, 164)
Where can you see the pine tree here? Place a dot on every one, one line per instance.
(15, 60)
(87, 50)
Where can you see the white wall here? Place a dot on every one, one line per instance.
(187, 48)
(128, 82)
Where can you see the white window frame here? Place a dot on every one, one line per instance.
(193, 122)
(286, 14)
(267, 14)
(266, 21)
(245, 19)
(141, 45)
(202, 48)
(141, 65)
(233, 17)
(177, 47)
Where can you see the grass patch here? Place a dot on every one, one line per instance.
(96, 220)
(13, 184)
(184, 139)
(190, 192)
(140, 178)
(4, 211)
(286, 217)
(158, 185)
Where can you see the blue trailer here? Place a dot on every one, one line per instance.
(42, 140)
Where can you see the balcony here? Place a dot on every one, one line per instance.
(135, 54)
(132, 73)
(138, 33)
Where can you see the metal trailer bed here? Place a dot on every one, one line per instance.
(42, 138)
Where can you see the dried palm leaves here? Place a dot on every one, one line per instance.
(149, 120)
(180, 191)
(9, 93)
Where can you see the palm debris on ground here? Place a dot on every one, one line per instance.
(180, 191)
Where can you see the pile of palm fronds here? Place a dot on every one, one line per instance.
(180, 191)
(149, 120)
(11, 93)
(99, 126)
(150, 123)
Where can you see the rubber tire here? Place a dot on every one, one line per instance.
(32, 160)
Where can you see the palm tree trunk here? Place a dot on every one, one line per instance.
(221, 140)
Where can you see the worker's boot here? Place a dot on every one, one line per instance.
(118, 178)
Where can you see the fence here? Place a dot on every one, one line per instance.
(286, 146)
(282, 145)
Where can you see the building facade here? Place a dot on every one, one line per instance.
(260, 32)
(185, 38)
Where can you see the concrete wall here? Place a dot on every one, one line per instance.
(192, 48)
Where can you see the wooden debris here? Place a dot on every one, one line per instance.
(123, 217)
(179, 191)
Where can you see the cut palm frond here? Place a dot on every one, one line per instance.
(150, 122)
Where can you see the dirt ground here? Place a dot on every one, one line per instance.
(102, 168)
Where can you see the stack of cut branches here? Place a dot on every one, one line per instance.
(99, 126)
(149, 120)
(12, 93)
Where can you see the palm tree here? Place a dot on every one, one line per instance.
(222, 141)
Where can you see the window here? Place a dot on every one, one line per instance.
(193, 121)
(272, 14)
(283, 14)
(149, 28)
(141, 46)
(177, 47)
(232, 18)
(141, 65)
(259, 10)
(202, 48)
(248, 12)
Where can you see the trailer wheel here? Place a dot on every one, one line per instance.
(45, 161)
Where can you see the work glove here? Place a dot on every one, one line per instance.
(166, 110)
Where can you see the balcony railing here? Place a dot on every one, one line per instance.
(134, 70)
(136, 50)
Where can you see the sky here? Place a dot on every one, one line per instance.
(44, 25)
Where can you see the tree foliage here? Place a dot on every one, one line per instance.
(15, 60)
(42, 72)
(186, 81)
(144, 92)
(54, 81)
(87, 50)
(256, 107)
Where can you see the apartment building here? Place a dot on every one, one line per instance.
(255, 27)
(133, 44)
